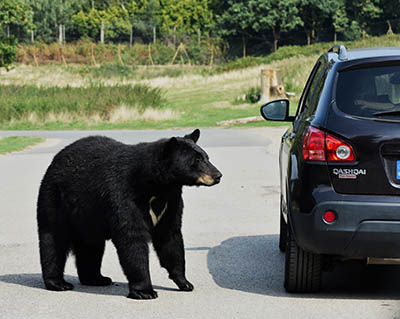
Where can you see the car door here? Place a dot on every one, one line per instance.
(287, 158)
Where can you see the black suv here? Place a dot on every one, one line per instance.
(340, 165)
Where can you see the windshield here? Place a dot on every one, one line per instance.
(370, 92)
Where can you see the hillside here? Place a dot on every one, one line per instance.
(167, 96)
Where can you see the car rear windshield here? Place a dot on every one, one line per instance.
(370, 92)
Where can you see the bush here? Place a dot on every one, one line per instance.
(8, 52)
(20, 101)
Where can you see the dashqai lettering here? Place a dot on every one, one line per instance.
(349, 173)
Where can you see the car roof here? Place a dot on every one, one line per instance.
(373, 52)
(356, 57)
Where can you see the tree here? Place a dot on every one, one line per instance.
(13, 14)
(49, 14)
(147, 16)
(340, 20)
(236, 20)
(313, 13)
(362, 13)
(186, 15)
(277, 16)
(116, 20)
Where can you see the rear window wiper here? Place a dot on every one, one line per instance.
(387, 113)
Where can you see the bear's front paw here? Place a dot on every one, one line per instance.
(183, 284)
(143, 294)
(58, 285)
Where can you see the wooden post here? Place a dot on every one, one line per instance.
(32, 36)
(93, 57)
(62, 57)
(60, 34)
(244, 46)
(34, 57)
(63, 33)
(271, 85)
(198, 37)
(154, 35)
(8, 31)
(102, 32)
(212, 54)
(389, 31)
(131, 37)
(119, 54)
(175, 36)
(150, 58)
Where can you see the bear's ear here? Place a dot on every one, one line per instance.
(194, 136)
(172, 144)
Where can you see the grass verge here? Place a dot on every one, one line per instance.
(66, 104)
(17, 143)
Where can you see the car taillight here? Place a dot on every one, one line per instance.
(338, 151)
(314, 145)
(320, 147)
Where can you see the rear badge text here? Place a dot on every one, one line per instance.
(349, 173)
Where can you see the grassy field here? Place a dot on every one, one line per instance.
(17, 143)
(187, 101)
(53, 96)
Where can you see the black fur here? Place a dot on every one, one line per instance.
(97, 189)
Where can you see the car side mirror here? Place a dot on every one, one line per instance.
(277, 110)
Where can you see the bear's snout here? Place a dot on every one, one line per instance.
(210, 179)
(217, 177)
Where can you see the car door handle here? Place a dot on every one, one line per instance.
(291, 135)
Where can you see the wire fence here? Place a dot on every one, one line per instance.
(153, 46)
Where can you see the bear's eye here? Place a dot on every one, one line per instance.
(197, 161)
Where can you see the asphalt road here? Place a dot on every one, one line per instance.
(231, 243)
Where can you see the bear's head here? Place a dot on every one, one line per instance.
(189, 163)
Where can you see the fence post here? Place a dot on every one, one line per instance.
(198, 37)
(8, 31)
(102, 32)
(60, 34)
(175, 36)
(154, 35)
(131, 37)
(32, 36)
(63, 33)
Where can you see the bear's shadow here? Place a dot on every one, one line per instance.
(254, 264)
(36, 281)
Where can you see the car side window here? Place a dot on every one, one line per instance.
(317, 90)
(307, 95)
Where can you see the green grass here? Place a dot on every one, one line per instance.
(17, 143)
(20, 102)
(86, 97)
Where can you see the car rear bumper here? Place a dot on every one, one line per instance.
(362, 229)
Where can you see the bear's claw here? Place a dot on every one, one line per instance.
(183, 284)
(143, 294)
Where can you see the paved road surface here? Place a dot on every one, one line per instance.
(231, 240)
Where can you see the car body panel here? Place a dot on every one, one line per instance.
(364, 194)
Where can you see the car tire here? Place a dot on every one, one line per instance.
(282, 234)
(302, 269)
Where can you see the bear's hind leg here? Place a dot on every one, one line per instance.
(88, 263)
(53, 255)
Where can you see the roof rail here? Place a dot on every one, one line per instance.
(341, 51)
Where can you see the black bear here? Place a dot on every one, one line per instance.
(98, 188)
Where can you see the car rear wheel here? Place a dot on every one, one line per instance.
(302, 269)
